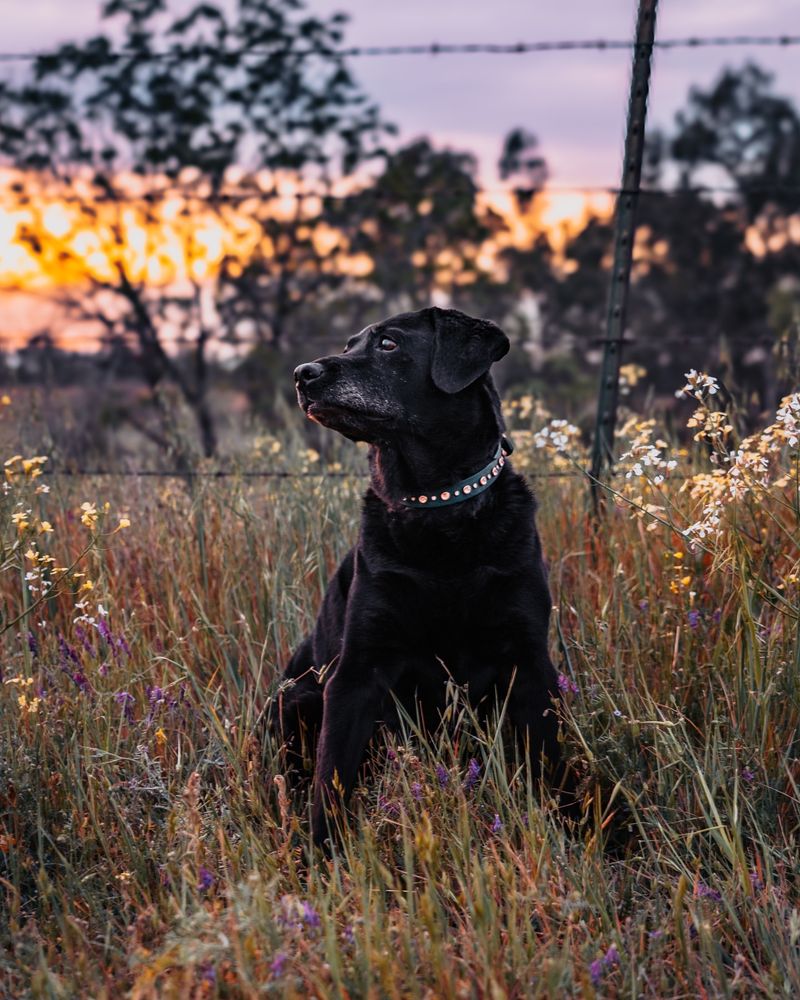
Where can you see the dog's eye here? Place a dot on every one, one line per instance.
(387, 344)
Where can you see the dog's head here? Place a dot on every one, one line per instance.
(413, 373)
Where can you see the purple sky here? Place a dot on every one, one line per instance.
(574, 102)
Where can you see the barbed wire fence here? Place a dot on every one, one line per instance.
(626, 194)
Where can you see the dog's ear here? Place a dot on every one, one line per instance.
(464, 348)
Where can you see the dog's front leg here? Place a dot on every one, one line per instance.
(354, 699)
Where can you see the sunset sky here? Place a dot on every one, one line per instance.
(574, 102)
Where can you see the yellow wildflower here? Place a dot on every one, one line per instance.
(45, 527)
(20, 518)
(5, 400)
(124, 522)
(86, 585)
(161, 737)
(89, 515)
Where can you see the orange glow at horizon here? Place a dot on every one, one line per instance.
(178, 240)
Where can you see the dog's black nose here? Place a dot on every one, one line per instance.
(306, 373)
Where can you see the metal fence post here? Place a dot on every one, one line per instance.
(624, 233)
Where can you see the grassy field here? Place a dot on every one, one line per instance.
(151, 847)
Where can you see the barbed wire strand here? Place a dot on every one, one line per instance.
(438, 48)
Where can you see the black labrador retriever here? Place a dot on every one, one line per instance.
(446, 579)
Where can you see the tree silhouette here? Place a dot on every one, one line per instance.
(202, 130)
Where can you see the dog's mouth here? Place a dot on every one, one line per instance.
(335, 413)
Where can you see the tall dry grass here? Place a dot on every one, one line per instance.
(150, 846)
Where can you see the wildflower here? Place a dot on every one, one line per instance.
(125, 700)
(161, 737)
(698, 384)
(442, 775)
(416, 790)
(208, 973)
(124, 877)
(388, 806)
(473, 773)
(89, 515)
(20, 518)
(567, 684)
(278, 963)
(596, 971)
(45, 527)
(124, 522)
(755, 881)
(5, 400)
(706, 892)
(204, 879)
(693, 618)
(310, 916)
(747, 775)
(497, 824)
(29, 705)
(617, 713)
(33, 645)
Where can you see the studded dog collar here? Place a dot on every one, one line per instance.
(466, 489)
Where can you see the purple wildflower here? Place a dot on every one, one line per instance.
(33, 645)
(497, 825)
(81, 681)
(716, 616)
(123, 645)
(103, 670)
(442, 776)
(416, 790)
(310, 916)
(125, 700)
(567, 684)
(204, 879)
(747, 775)
(473, 773)
(349, 934)
(163, 876)
(278, 962)
(755, 881)
(208, 973)
(391, 755)
(83, 639)
(596, 971)
(156, 697)
(706, 892)
(644, 605)
(611, 957)
(388, 806)
(67, 652)
(105, 632)
(693, 618)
